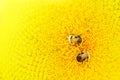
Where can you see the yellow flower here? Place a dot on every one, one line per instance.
(34, 39)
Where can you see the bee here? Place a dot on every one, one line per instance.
(74, 39)
(83, 56)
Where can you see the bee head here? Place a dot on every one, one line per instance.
(79, 57)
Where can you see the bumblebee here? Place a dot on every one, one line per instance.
(74, 39)
(83, 56)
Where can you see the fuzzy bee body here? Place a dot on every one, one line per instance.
(74, 39)
(83, 56)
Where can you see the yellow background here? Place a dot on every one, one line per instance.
(34, 45)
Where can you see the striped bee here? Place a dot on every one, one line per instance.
(74, 39)
(83, 56)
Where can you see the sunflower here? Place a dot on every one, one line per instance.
(34, 39)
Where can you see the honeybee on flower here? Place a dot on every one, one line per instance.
(74, 39)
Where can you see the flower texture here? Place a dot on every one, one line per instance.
(34, 39)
